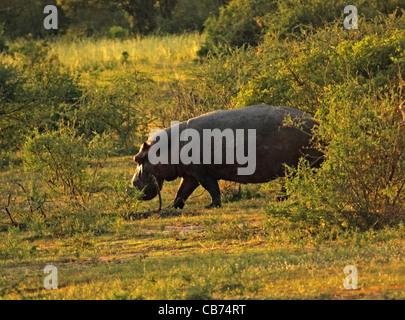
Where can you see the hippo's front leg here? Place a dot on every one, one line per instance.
(187, 186)
(210, 184)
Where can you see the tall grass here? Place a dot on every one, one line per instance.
(101, 54)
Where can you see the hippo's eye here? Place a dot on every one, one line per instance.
(146, 145)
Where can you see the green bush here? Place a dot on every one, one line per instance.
(293, 16)
(10, 83)
(11, 90)
(243, 23)
(30, 52)
(237, 25)
(67, 164)
(361, 184)
(117, 32)
(36, 92)
(298, 72)
(49, 83)
(117, 109)
(66, 189)
(123, 199)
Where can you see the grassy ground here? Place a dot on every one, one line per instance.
(160, 57)
(235, 252)
(196, 253)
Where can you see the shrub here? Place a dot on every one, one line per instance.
(68, 165)
(66, 190)
(298, 72)
(293, 16)
(244, 23)
(30, 52)
(10, 83)
(36, 92)
(123, 199)
(237, 25)
(11, 88)
(49, 83)
(117, 32)
(117, 109)
(362, 181)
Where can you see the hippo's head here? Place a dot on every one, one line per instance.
(144, 178)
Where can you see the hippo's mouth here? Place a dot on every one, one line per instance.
(149, 192)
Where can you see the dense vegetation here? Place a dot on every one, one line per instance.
(75, 104)
(107, 18)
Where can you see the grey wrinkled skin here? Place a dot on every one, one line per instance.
(276, 145)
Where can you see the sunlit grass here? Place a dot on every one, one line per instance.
(168, 265)
(103, 54)
(195, 253)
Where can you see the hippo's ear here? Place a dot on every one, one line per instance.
(143, 152)
(145, 147)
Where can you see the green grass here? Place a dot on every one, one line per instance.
(196, 253)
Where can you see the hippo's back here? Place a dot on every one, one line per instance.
(275, 143)
(259, 117)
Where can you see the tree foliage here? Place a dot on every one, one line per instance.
(246, 22)
(78, 18)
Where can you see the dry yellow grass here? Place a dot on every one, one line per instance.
(152, 51)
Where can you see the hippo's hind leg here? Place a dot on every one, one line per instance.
(187, 186)
(210, 184)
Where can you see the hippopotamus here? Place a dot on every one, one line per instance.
(262, 130)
